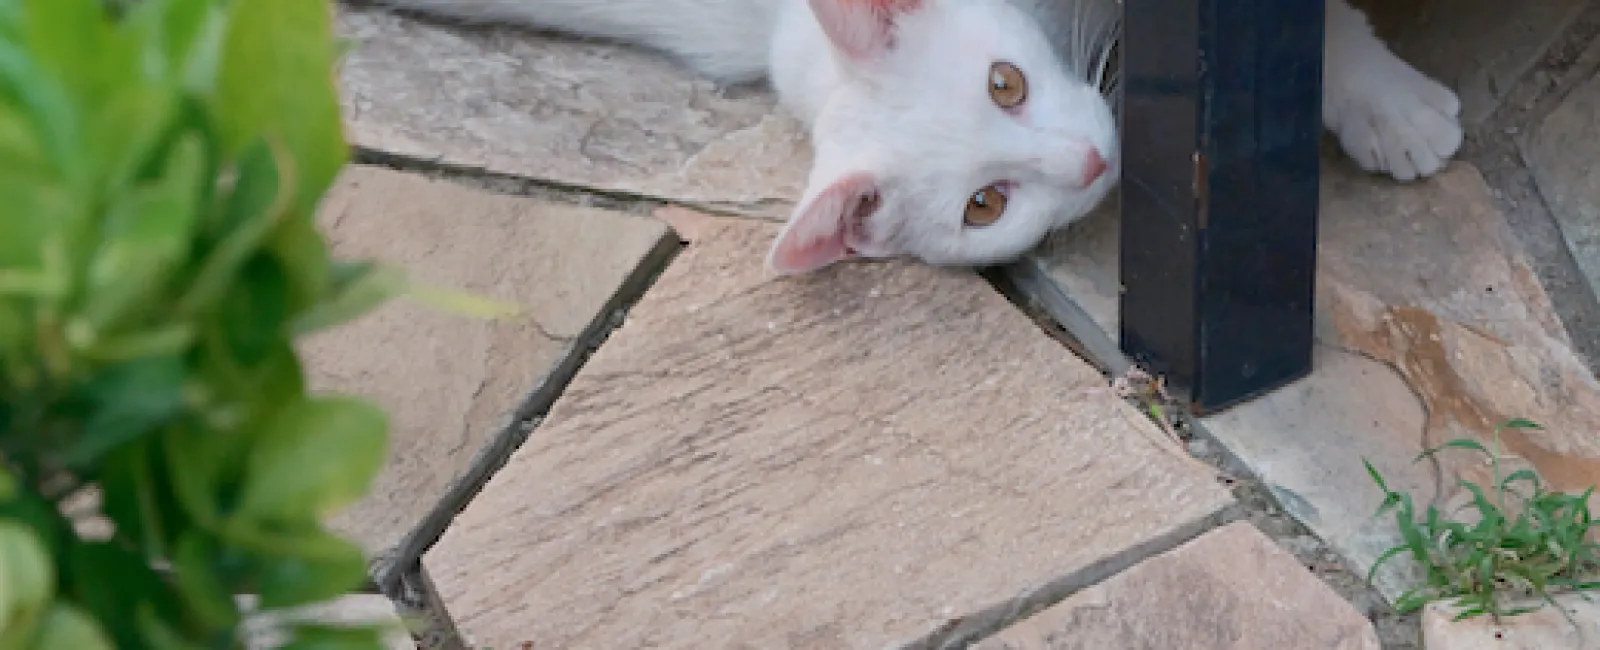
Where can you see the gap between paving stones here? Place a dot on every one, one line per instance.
(1572, 59)
(574, 356)
(398, 573)
(390, 570)
(1029, 287)
(544, 188)
(987, 623)
(400, 576)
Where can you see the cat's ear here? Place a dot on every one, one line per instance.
(814, 237)
(862, 29)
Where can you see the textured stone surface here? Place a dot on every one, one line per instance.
(450, 382)
(1431, 326)
(1546, 629)
(1230, 589)
(577, 113)
(1563, 152)
(1480, 48)
(860, 458)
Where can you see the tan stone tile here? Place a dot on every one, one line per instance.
(1432, 326)
(577, 113)
(1546, 629)
(855, 459)
(451, 382)
(1230, 589)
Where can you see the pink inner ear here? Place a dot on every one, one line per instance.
(860, 28)
(814, 237)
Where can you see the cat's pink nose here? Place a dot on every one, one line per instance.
(1094, 166)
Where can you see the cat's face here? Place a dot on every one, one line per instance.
(955, 136)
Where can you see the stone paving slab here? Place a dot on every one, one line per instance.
(1577, 628)
(1431, 326)
(868, 457)
(570, 112)
(1563, 152)
(1230, 589)
(450, 382)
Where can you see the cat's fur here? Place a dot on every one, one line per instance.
(905, 132)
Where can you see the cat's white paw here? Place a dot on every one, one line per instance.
(1394, 119)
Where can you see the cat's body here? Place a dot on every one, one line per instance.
(963, 131)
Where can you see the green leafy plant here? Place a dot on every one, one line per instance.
(160, 163)
(1528, 542)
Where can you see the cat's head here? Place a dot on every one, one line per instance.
(953, 134)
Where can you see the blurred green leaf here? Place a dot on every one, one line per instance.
(125, 401)
(254, 316)
(303, 255)
(139, 506)
(200, 464)
(68, 39)
(327, 637)
(144, 240)
(66, 627)
(276, 79)
(185, 36)
(316, 456)
(356, 289)
(26, 579)
(463, 303)
(158, 253)
(125, 127)
(40, 516)
(112, 583)
(198, 576)
(332, 568)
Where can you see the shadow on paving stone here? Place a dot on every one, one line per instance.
(877, 455)
(1431, 326)
(569, 112)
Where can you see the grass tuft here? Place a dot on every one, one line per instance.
(1528, 545)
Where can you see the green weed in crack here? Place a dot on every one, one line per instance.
(1529, 543)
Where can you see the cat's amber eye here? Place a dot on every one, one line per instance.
(1007, 87)
(985, 207)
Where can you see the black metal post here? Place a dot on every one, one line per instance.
(1221, 125)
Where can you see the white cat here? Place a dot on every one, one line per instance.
(961, 132)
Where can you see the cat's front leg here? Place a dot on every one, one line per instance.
(1389, 116)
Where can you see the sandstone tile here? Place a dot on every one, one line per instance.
(1546, 629)
(567, 111)
(1563, 153)
(1230, 589)
(1307, 441)
(1432, 326)
(450, 382)
(863, 458)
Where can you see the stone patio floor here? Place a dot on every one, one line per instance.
(670, 448)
